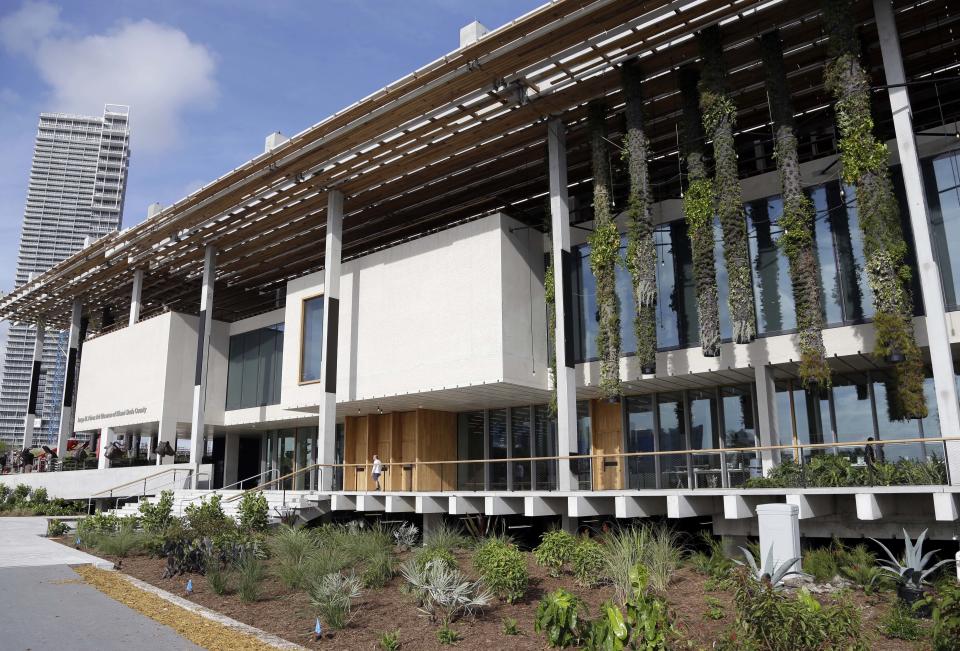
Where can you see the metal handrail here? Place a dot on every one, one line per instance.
(216, 491)
(143, 479)
(652, 453)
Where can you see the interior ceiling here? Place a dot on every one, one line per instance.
(465, 136)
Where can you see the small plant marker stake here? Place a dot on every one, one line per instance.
(77, 543)
(189, 586)
(317, 630)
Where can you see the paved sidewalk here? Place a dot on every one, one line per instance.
(22, 544)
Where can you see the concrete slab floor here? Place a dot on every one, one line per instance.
(22, 544)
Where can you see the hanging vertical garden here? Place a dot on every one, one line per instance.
(796, 239)
(719, 117)
(550, 295)
(698, 211)
(641, 249)
(604, 252)
(864, 165)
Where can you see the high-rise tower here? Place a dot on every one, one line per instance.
(77, 185)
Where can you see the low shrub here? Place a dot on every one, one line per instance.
(560, 617)
(20, 494)
(406, 536)
(333, 596)
(821, 564)
(444, 593)
(426, 554)
(859, 566)
(555, 550)
(118, 543)
(945, 611)
(253, 512)
(447, 636)
(39, 495)
(99, 522)
(830, 470)
(4, 493)
(510, 626)
(900, 624)
(206, 518)
(446, 537)
(389, 641)
(186, 556)
(503, 569)
(377, 570)
(57, 528)
(294, 550)
(250, 573)
(218, 575)
(587, 562)
(714, 609)
(155, 518)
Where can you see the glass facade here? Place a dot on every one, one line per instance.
(942, 175)
(253, 369)
(311, 349)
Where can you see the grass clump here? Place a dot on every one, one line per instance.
(821, 564)
(389, 641)
(446, 537)
(655, 547)
(250, 575)
(900, 624)
(294, 550)
(333, 596)
(510, 626)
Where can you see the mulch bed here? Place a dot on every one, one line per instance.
(288, 613)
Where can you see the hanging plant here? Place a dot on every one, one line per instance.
(641, 249)
(550, 294)
(863, 164)
(698, 210)
(719, 117)
(796, 239)
(604, 253)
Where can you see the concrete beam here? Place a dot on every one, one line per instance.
(946, 507)
(738, 507)
(401, 504)
(493, 505)
(685, 506)
(873, 506)
(343, 502)
(812, 506)
(631, 506)
(535, 506)
(432, 504)
(369, 502)
(583, 506)
(461, 505)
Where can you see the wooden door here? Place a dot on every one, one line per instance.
(606, 421)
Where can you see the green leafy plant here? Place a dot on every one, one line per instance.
(859, 565)
(643, 624)
(294, 549)
(250, 573)
(555, 550)
(333, 596)
(57, 528)
(154, 518)
(560, 618)
(714, 609)
(253, 511)
(821, 564)
(440, 554)
(447, 636)
(39, 496)
(769, 571)
(945, 611)
(443, 592)
(899, 624)
(503, 569)
(510, 626)
(587, 562)
(206, 518)
(911, 570)
(389, 641)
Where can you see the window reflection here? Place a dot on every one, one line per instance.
(312, 344)
(641, 471)
(673, 468)
(497, 429)
(470, 446)
(704, 436)
(739, 432)
(943, 189)
(773, 292)
(581, 467)
(520, 426)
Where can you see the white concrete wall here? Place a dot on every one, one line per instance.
(81, 484)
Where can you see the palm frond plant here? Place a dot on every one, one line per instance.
(333, 596)
(911, 571)
(444, 592)
(769, 571)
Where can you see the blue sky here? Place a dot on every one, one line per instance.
(206, 80)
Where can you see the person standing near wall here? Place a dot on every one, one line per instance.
(377, 469)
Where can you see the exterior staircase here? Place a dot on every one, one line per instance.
(303, 506)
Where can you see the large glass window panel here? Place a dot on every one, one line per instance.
(497, 419)
(723, 283)
(306, 439)
(254, 368)
(586, 321)
(581, 467)
(683, 297)
(673, 468)
(739, 432)
(831, 296)
(470, 446)
(312, 344)
(545, 445)
(641, 471)
(887, 425)
(848, 240)
(251, 369)
(704, 436)
(773, 291)
(266, 367)
(944, 206)
(520, 430)
(853, 412)
(668, 333)
(286, 449)
(235, 372)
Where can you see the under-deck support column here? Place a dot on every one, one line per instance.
(327, 430)
(30, 419)
(767, 422)
(103, 462)
(69, 381)
(941, 358)
(136, 296)
(203, 359)
(565, 380)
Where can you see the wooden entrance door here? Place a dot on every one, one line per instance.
(606, 420)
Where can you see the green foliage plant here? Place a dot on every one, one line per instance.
(898, 623)
(644, 623)
(57, 528)
(555, 550)
(294, 550)
(445, 537)
(503, 569)
(206, 518)
(217, 574)
(945, 612)
(911, 570)
(120, 543)
(154, 518)
(714, 609)
(719, 118)
(859, 566)
(698, 212)
(550, 297)
(250, 574)
(253, 511)
(510, 626)
(587, 562)
(440, 554)
(655, 547)
(560, 617)
(604, 255)
(641, 248)
(333, 595)
(446, 636)
(864, 164)
(797, 221)
(821, 564)
(389, 641)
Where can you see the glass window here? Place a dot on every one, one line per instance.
(831, 296)
(888, 427)
(683, 294)
(773, 292)
(673, 468)
(497, 424)
(739, 432)
(470, 444)
(943, 183)
(581, 467)
(704, 436)
(253, 368)
(286, 449)
(668, 333)
(545, 444)
(641, 471)
(857, 296)
(853, 411)
(723, 284)
(520, 427)
(312, 345)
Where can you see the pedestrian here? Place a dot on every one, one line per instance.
(874, 453)
(377, 469)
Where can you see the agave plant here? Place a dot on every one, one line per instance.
(911, 572)
(769, 571)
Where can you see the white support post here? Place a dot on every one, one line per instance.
(566, 380)
(203, 359)
(941, 358)
(136, 296)
(767, 426)
(167, 431)
(69, 382)
(326, 438)
(30, 419)
(104, 463)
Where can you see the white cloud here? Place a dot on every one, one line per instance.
(155, 69)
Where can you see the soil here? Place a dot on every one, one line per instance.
(288, 614)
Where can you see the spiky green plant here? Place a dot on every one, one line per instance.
(912, 569)
(769, 571)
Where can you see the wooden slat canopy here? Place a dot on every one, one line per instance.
(465, 135)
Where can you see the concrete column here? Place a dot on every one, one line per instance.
(767, 418)
(167, 431)
(203, 359)
(941, 358)
(136, 296)
(566, 381)
(103, 462)
(31, 417)
(69, 382)
(327, 432)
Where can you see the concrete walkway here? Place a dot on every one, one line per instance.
(46, 605)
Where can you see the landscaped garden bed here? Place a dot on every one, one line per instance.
(636, 585)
